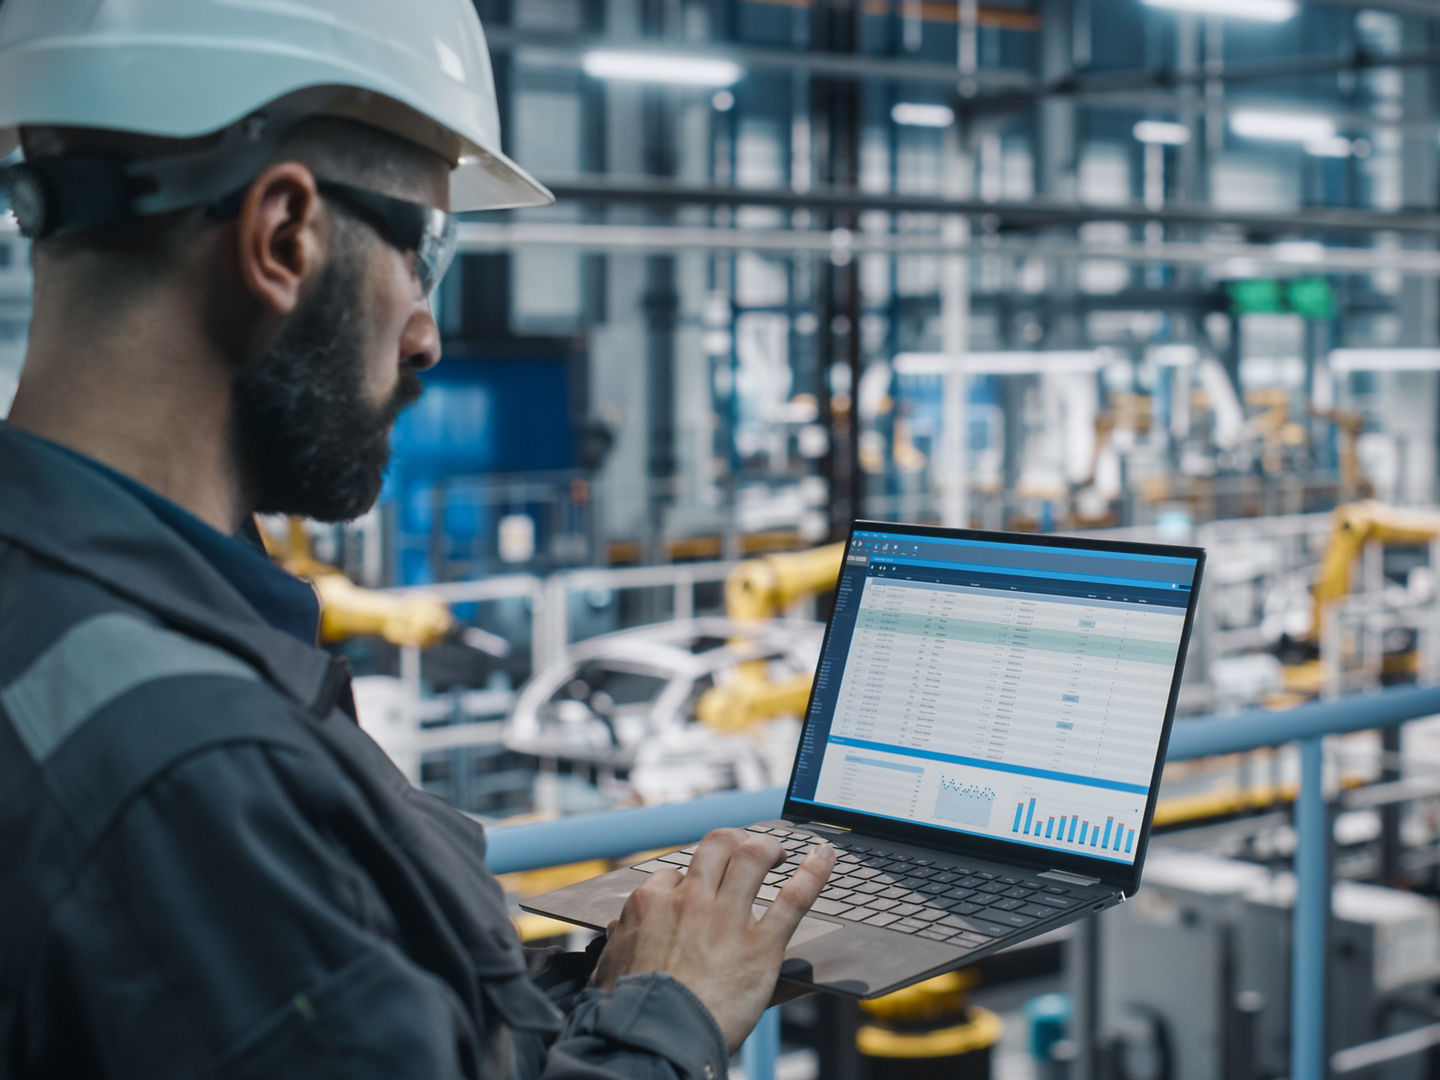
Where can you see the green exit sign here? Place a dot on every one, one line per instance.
(1310, 298)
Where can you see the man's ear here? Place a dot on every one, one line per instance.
(282, 234)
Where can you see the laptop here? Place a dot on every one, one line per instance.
(983, 745)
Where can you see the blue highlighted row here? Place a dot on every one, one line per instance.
(993, 766)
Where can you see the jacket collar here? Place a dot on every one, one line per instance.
(72, 515)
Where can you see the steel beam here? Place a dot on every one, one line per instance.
(494, 236)
(640, 191)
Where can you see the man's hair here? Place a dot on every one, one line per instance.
(122, 261)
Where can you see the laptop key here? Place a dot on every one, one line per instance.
(767, 892)
(930, 914)
(906, 910)
(679, 858)
(1037, 911)
(993, 887)
(972, 882)
(865, 872)
(936, 935)
(871, 887)
(879, 904)
(882, 919)
(986, 875)
(965, 909)
(1011, 918)
(895, 892)
(947, 876)
(969, 941)
(856, 914)
(1019, 893)
(1006, 905)
(650, 866)
(975, 926)
(823, 906)
(1061, 902)
(923, 872)
(1055, 890)
(909, 926)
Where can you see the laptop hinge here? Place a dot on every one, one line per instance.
(1069, 878)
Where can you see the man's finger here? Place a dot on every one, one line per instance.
(752, 859)
(643, 898)
(800, 892)
(707, 865)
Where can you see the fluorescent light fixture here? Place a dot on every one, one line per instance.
(1298, 251)
(1002, 363)
(914, 114)
(661, 68)
(1259, 10)
(1165, 132)
(1282, 125)
(1346, 360)
(1335, 147)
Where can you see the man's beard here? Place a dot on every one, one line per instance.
(309, 440)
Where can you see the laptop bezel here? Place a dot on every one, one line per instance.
(1122, 876)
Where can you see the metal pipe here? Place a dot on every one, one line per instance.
(616, 833)
(641, 191)
(1308, 991)
(1391, 1048)
(491, 236)
(762, 1048)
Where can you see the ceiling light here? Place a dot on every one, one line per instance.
(1298, 251)
(1001, 363)
(1282, 125)
(1336, 146)
(914, 114)
(722, 101)
(661, 68)
(1260, 10)
(1165, 132)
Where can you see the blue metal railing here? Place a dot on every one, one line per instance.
(616, 833)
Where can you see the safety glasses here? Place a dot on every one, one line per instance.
(429, 233)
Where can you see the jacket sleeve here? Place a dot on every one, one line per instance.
(612, 1034)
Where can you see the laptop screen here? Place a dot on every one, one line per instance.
(1011, 690)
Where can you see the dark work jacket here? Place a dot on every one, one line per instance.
(208, 869)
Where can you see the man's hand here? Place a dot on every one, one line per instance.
(699, 927)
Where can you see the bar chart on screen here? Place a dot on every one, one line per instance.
(1074, 827)
(964, 803)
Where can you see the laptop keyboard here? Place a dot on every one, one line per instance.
(914, 895)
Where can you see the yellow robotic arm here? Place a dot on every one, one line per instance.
(347, 610)
(1354, 526)
(762, 589)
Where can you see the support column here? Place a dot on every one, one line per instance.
(1309, 1047)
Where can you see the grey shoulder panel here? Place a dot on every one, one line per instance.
(94, 663)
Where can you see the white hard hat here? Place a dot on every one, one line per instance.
(185, 68)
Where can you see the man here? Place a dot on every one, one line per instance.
(206, 868)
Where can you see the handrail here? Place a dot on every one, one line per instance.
(622, 832)
(611, 834)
